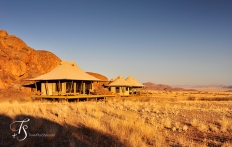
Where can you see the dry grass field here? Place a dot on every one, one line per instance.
(177, 119)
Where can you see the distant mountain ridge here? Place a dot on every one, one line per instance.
(230, 87)
(153, 86)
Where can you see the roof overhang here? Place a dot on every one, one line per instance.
(119, 86)
(64, 79)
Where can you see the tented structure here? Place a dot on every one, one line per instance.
(66, 78)
(120, 86)
(134, 84)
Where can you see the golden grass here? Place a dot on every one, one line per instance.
(160, 120)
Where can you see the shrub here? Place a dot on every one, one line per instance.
(191, 98)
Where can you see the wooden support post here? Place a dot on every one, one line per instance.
(74, 87)
(35, 87)
(64, 88)
(77, 87)
(71, 87)
(81, 86)
(46, 86)
(59, 87)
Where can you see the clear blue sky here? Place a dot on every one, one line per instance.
(176, 42)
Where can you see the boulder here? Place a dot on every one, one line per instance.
(2, 44)
(2, 85)
(16, 68)
(14, 42)
(5, 79)
(42, 62)
(3, 33)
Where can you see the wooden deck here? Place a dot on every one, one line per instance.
(71, 97)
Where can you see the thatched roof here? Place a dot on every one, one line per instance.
(119, 82)
(133, 82)
(66, 71)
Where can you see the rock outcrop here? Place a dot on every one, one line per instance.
(42, 62)
(99, 76)
(19, 61)
(99, 86)
(3, 33)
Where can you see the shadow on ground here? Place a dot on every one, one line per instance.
(43, 132)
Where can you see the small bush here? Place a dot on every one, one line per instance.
(194, 123)
(191, 98)
(168, 123)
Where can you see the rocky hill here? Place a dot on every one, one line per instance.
(230, 87)
(99, 76)
(152, 86)
(99, 89)
(19, 61)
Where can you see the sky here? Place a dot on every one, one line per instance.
(174, 42)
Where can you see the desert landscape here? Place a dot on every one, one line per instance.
(116, 73)
(160, 118)
(157, 115)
